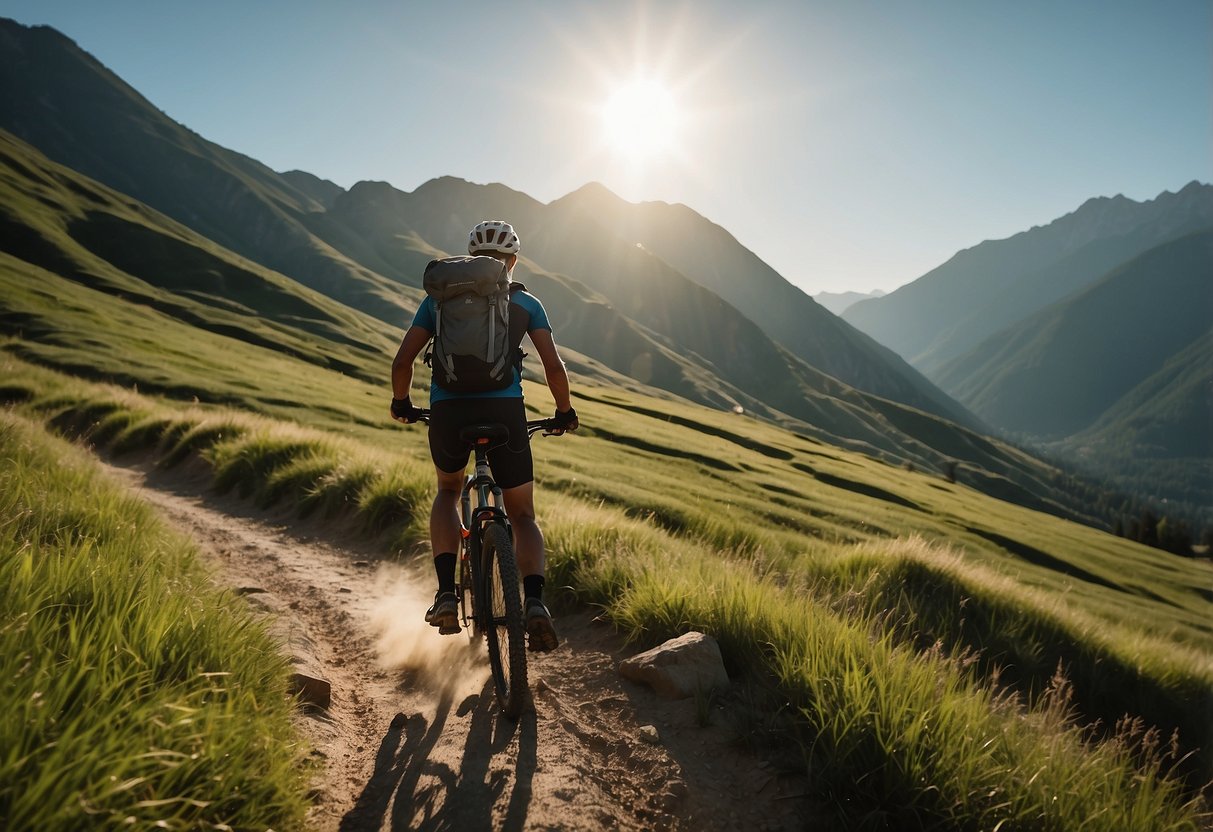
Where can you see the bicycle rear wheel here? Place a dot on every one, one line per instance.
(504, 627)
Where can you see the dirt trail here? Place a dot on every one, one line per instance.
(413, 739)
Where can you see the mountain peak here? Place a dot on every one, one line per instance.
(1101, 202)
(593, 195)
(444, 182)
(454, 187)
(371, 186)
(7, 24)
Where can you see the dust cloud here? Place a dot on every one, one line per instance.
(405, 643)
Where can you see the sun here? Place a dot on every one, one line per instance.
(641, 120)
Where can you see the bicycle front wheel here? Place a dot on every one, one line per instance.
(504, 628)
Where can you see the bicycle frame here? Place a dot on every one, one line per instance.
(489, 508)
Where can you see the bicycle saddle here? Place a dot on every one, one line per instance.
(491, 432)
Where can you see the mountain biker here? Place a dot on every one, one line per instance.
(511, 463)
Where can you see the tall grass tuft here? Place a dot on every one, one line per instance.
(133, 694)
(398, 497)
(256, 465)
(926, 595)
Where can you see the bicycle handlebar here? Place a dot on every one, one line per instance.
(533, 426)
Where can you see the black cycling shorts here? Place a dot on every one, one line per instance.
(511, 462)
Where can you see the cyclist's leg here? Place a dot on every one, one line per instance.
(513, 470)
(450, 458)
(444, 516)
(528, 538)
(528, 550)
(450, 455)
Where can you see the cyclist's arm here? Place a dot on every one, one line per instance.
(411, 345)
(553, 368)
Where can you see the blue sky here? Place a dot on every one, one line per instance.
(851, 145)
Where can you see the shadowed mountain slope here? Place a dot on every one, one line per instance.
(1055, 373)
(712, 257)
(61, 100)
(987, 288)
(1158, 437)
(1117, 377)
(57, 220)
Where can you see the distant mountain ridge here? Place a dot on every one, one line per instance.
(1056, 335)
(991, 286)
(709, 255)
(1113, 335)
(839, 302)
(670, 309)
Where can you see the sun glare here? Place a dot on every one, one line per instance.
(641, 120)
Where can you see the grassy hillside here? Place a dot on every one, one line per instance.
(917, 628)
(1157, 438)
(116, 711)
(57, 221)
(744, 519)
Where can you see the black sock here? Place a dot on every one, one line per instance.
(444, 565)
(532, 586)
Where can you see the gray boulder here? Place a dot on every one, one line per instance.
(680, 667)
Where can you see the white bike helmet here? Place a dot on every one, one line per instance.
(493, 235)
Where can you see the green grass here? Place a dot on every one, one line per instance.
(133, 694)
(921, 676)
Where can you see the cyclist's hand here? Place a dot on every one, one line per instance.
(403, 411)
(565, 420)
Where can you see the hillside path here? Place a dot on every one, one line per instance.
(413, 738)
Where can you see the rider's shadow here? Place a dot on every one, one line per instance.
(428, 795)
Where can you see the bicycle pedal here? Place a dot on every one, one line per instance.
(449, 629)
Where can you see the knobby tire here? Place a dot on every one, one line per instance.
(505, 630)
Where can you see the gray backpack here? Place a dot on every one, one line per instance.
(471, 350)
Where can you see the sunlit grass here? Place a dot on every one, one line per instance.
(133, 693)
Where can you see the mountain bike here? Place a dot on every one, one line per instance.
(490, 601)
